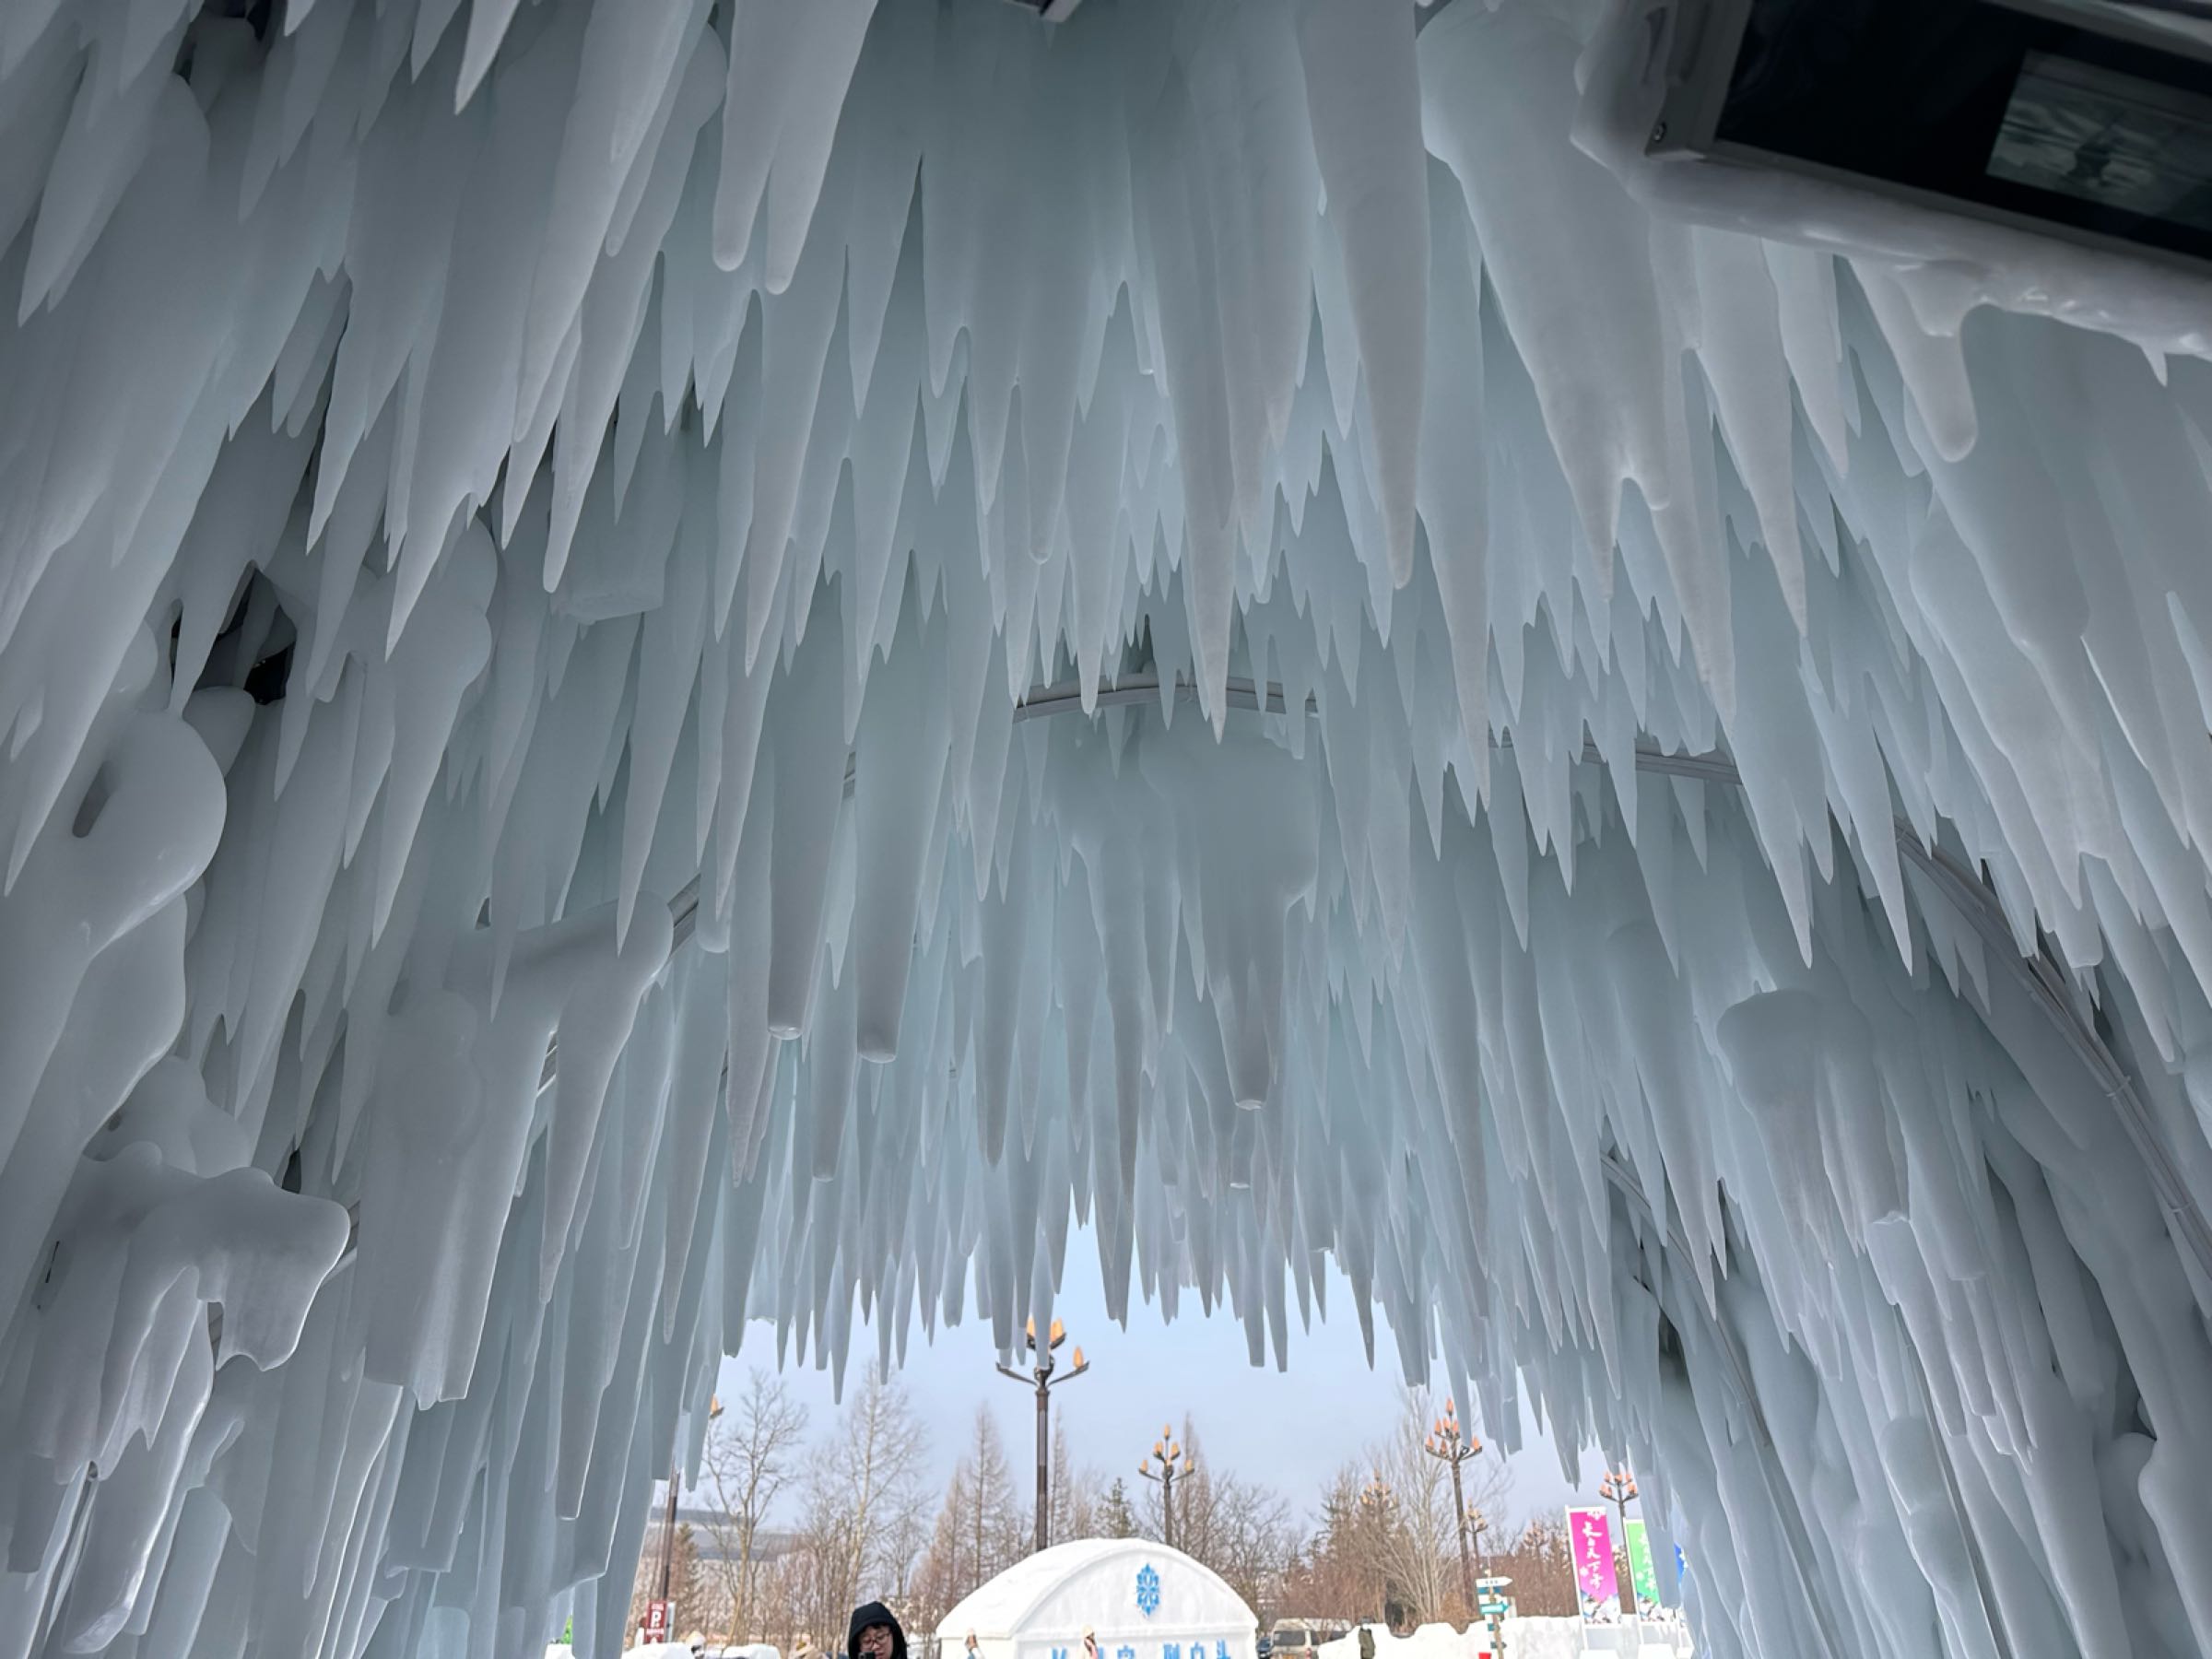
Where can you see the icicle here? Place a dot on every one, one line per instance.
(437, 838)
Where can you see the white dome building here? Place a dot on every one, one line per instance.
(1135, 1598)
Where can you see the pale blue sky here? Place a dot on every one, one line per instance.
(1289, 1429)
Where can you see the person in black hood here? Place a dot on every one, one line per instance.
(875, 1633)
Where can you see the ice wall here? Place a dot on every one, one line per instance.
(666, 664)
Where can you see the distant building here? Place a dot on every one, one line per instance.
(714, 1543)
(714, 1537)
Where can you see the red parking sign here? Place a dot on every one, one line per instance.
(656, 1621)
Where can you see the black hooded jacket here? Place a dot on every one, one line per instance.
(874, 1613)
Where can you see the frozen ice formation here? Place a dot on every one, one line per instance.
(670, 664)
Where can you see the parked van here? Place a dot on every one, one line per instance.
(1297, 1637)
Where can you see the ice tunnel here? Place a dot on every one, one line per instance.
(667, 664)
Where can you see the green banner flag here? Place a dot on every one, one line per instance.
(1640, 1566)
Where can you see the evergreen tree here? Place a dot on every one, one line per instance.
(1117, 1517)
(689, 1593)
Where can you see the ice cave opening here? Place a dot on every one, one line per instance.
(667, 664)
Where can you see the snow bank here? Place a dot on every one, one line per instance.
(1563, 1638)
(1425, 1641)
(669, 666)
(1525, 1638)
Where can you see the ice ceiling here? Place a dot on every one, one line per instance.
(668, 663)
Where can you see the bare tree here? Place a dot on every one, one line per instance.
(865, 1505)
(750, 1459)
(1074, 1510)
(942, 1578)
(1384, 1538)
(1540, 1562)
(1243, 1531)
(1377, 1554)
(1420, 1548)
(905, 1534)
(982, 1528)
(785, 1608)
(997, 1525)
(1335, 1577)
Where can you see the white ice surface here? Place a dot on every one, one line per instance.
(1568, 1638)
(1197, 621)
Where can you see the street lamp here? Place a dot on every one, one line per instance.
(676, 1485)
(1040, 1378)
(1619, 1488)
(1170, 1454)
(1451, 1445)
(1477, 1523)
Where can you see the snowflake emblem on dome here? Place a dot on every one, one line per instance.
(1147, 1590)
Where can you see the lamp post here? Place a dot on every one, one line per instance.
(1169, 1454)
(1489, 1590)
(676, 1486)
(1619, 1488)
(1040, 1378)
(1451, 1445)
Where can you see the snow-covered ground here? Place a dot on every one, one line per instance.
(1524, 1639)
(670, 665)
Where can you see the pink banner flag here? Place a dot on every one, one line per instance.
(1591, 1532)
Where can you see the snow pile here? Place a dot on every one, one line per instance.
(1524, 1639)
(596, 604)
(1570, 1639)
(1425, 1641)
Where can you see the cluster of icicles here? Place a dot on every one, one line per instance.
(666, 664)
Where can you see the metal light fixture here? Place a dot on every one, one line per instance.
(1175, 1464)
(2089, 121)
(1041, 1379)
(1451, 1445)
